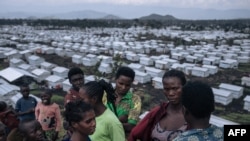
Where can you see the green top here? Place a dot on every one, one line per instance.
(108, 128)
(130, 105)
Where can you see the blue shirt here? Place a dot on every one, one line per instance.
(212, 133)
(25, 104)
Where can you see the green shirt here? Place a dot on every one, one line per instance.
(130, 105)
(108, 128)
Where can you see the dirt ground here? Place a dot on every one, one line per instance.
(152, 97)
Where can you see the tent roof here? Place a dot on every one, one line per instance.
(12, 74)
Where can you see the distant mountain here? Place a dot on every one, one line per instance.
(158, 17)
(20, 15)
(111, 17)
(133, 12)
(87, 14)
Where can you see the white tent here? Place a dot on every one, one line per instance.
(14, 62)
(66, 85)
(11, 74)
(218, 121)
(105, 68)
(60, 71)
(245, 81)
(136, 66)
(41, 74)
(132, 57)
(47, 66)
(35, 60)
(142, 77)
(212, 69)
(237, 91)
(26, 67)
(222, 96)
(247, 103)
(77, 59)
(161, 64)
(157, 83)
(146, 61)
(54, 81)
(153, 72)
(6, 91)
(105, 59)
(200, 72)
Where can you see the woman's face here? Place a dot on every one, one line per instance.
(172, 89)
(123, 84)
(87, 125)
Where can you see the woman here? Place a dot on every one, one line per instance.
(81, 119)
(164, 122)
(198, 105)
(127, 106)
(108, 126)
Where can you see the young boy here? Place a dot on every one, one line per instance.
(32, 130)
(25, 106)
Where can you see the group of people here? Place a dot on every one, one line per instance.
(95, 111)
(183, 117)
(116, 110)
(31, 120)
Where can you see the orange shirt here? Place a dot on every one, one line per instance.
(49, 116)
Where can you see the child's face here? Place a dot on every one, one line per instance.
(77, 81)
(25, 91)
(34, 131)
(45, 98)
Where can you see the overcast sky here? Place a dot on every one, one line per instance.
(119, 6)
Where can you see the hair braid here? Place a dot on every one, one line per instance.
(111, 97)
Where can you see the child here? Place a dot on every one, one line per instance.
(81, 119)
(8, 117)
(32, 130)
(25, 106)
(49, 116)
